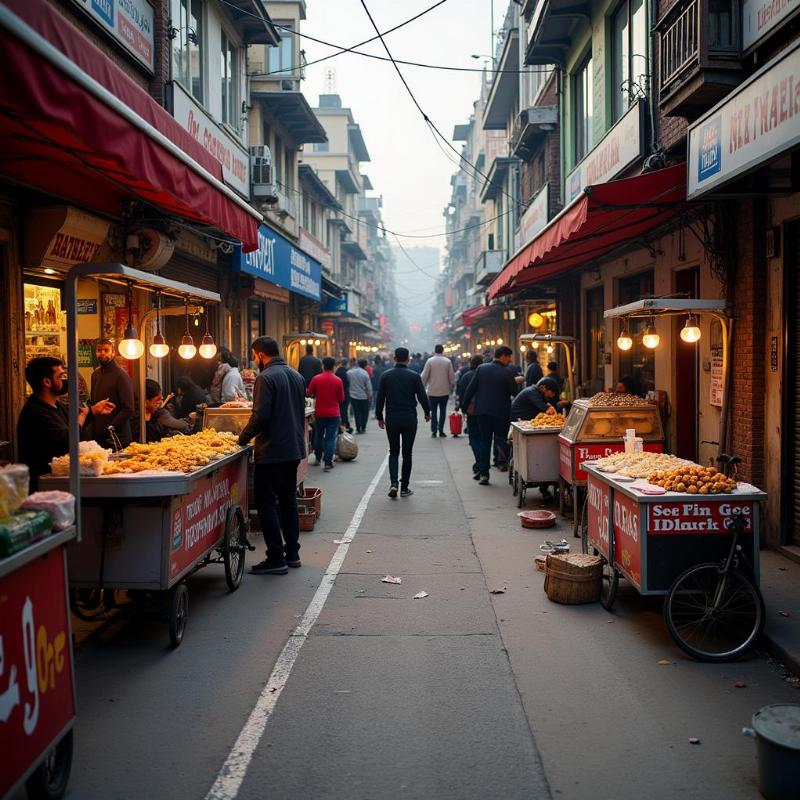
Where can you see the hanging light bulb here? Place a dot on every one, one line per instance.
(187, 349)
(159, 348)
(535, 320)
(691, 331)
(207, 347)
(499, 341)
(523, 348)
(550, 348)
(535, 345)
(316, 342)
(131, 346)
(624, 342)
(651, 338)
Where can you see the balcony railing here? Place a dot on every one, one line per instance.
(680, 44)
(488, 266)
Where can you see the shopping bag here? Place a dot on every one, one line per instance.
(456, 423)
(346, 446)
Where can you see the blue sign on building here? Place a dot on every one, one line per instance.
(278, 261)
(709, 157)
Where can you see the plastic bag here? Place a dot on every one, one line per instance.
(59, 505)
(346, 446)
(14, 481)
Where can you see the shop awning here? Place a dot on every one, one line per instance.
(74, 125)
(604, 217)
(474, 315)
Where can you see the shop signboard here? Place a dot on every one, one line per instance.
(758, 121)
(314, 248)
(698, 517)
(235, 160)
(130, 22)
(535, 217)
(36, 682)
(198, 519)
(590, 452)
(62, 236)
(617, 150)
(280, 262)
(627, 537)
(87, 305)
(717, 389)
(598, 500)
(761, 17)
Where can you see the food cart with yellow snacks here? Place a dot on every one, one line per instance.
(152, 514)
(535, 448)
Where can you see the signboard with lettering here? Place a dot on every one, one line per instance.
(314, 248)
(758, 121)
(235, 160)
(535, 217)
(130, 22)
(280, 262)
(717, 389)
(87, 305)
(572, 456)
(598, 502)
(698, 517)
(628, 537)
(36, 681)
(618, 149)
(761, 17)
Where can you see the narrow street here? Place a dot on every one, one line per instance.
(462, 694)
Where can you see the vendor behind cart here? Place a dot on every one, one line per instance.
(536, 399)
(158, 422)
(43, 427)
(111, 403)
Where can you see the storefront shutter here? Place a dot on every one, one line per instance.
(199, 275)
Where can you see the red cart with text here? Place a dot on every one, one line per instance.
(596, 431)
(701, 552)
(147, 532)
(37, 685)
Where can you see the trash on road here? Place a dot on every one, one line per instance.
(740, 685)
(664, 663)
(369, 551)
(498, 591)
(694, 740)
(338, 541)
(420, 595)
(784, 613)
(391, 579)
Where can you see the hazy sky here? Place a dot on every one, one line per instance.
(407, 166)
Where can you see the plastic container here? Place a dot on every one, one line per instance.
(310, 500)
(307, 520)
(540, 518)
(777, 732)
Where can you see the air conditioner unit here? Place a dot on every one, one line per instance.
(261, 173)
(287, 86)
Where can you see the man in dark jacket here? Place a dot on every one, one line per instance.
(344, 412)
(473, 426)
(278, 424)
(533, 400)
(400, 389)
(491, 390)
(309, 365)
(111, 395)
(534, 372)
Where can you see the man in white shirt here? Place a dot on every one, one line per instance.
(360, 394)
(439, 378)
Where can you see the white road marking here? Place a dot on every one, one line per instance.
(230, 777)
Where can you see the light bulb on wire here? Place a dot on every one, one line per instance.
(625, 342)
(207, 347)
(691, 331)
(650, 338)
(131, 347)
(187, 349)
(159, 348)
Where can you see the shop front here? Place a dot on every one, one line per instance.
(745, 152)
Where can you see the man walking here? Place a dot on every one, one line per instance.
(473, 427)
(400, 390)
(111, 397)
(344, 412)
(309, 365)
(278, 425)
(438, 377)
(329, 393)
(491, 390)
(360, 394)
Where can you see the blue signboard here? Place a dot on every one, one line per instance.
(278, 261)
(709, 161)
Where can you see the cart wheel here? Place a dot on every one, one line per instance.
(178, 611)
(562, 490)
(608, 589)
(585, 525)
(234, 548)
(511, 473)
(515, 485)
(87, 604)
(49, 780)
(713, 615)
(522, 492)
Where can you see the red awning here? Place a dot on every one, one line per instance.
(86, 132)
(606, 216)
(474, 315)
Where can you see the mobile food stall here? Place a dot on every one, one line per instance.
(152, 514)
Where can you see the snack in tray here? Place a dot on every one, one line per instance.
(616, 400)
(237, 404)
(693, 480)
(640, 465)
(542, 421)
(176, 454)
(92, 461)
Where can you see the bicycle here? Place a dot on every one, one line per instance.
(715, 611)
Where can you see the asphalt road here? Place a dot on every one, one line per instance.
(462, 694)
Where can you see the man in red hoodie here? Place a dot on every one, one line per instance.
(328, 390)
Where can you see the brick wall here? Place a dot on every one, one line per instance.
(162, 51)
(747, 289)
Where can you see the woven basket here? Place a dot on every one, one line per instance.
(310, 500)
(573, 578)
(307, 520)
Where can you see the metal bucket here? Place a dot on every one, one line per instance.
(777, 732)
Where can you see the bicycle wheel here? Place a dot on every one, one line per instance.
(713, 616)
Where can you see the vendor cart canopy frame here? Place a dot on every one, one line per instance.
(569, 343)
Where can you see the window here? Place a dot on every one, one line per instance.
(628, 54)
(582, 106)
(187, 45)
(321, 147)
(720, 23)
(229, 74)
(281, 61)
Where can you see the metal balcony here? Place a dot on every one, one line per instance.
(488, 266)
(699, 55)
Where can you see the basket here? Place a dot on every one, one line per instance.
(307, 520)
(537, 519)
(310, 500)
(573, 578)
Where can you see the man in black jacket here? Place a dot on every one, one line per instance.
(534, 372)
(400, 389)
(491, 390)
(278, 424)
(344, 413)
(309, 365)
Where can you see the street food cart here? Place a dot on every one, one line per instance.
(551, 340)
(535, 456)
(655, 540)
(594, 429)
(294, 345)
(151, 529)
(37, 674)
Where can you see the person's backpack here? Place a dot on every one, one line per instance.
(346, 446)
